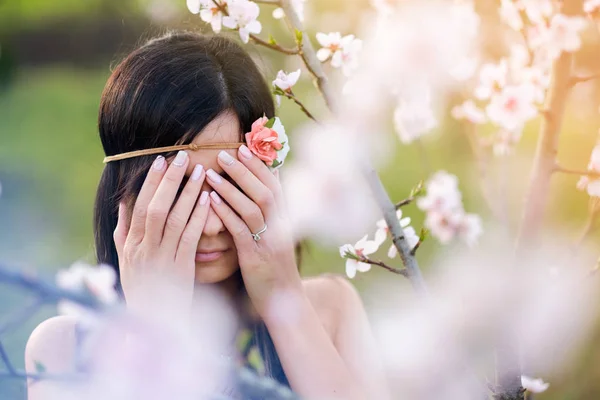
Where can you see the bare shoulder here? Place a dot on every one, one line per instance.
(52, 343)
(332, 296)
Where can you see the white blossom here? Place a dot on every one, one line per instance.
(469, 111)
(97, 280)
(509, 12)
(591, 6)
(492, 78)
(504, 141)
(242, 16)
(512, 107)
(343, 51)
(538, 11)
(285, 81)
(330, 44)
(562, 34)
(347, 57)
(589, 183)
(363, 247)
(445, 216)
(209, 12)
(409, 233)
(413, 116)
(298, 6)
(441, 193)
(534, 385)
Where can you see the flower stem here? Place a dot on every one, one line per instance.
(399, 271)
(290, 95)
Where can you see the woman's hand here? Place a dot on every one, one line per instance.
(157, 249)
(268, 265)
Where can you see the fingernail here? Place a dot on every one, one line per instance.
(159, 163)
(197, 172)
(213, 176)
(225, 157)
(204, 198)
(215, 197)
(180, 158)
(245, 151)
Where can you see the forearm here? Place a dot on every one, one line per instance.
(311, 362)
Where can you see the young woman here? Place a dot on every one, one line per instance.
(211, 215)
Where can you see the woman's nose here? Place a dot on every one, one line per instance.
(213, 225)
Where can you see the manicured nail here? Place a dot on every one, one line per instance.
(180, 158)
(225, 157)
(204, 198)
(245, 151)
(215, 197)
(197, 172)
(159, 163)
(213, 176)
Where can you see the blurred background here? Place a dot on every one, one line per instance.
(55, 57)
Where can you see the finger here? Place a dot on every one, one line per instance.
(140, 209)
(193, 230)
(234, 224)
(269, 178)
(254, 188)
(180, 213)
(120, 233)
(249, 211)
(160, 205)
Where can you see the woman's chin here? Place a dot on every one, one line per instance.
(214, 272)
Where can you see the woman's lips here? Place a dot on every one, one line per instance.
(209, 255)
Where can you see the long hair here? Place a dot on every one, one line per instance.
(163, 94)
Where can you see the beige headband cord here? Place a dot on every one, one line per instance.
(191, 146)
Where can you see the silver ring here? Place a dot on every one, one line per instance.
(256, 236)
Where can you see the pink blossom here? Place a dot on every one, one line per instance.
(470, 112)
(242, 16)
(362, 248)
(562, 34)
(512, 107)
(591, 6)
(492, 79)
(511, 15)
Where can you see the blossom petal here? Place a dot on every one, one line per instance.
(351, 268)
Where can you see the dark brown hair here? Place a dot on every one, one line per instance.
(163, 94)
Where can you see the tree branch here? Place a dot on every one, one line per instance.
(404, 202)
(591, 174)
(256, 39)
(507, 367)
(290, 95)
(399, 271)
(273, 46)
(308, 54)
(580, 79)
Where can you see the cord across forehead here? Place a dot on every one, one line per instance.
(156, 150)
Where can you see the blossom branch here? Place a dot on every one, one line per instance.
(273, 46)
(580, 79)
(591, 174)
(404, 202)
(507, 363)
(290, 95)
(413, 272)
(258, 40)
(399, 271)
(308, 54)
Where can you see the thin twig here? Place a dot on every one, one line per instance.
(404, 202)
(274, 46)
(290, 95)
(308, 54)
(580, 79)
(256, 39)
(591, 174)
(399, 271)
(414, 249)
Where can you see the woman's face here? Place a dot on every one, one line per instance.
(216, 255)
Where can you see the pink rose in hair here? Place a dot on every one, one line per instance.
(263, 141)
